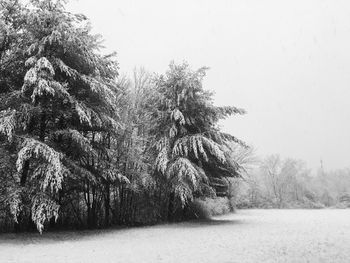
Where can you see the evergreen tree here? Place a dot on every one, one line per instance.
(193, 154)
(58, 107)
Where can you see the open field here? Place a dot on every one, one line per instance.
(247, 236)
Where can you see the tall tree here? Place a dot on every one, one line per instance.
(193, 154)
(57, 106)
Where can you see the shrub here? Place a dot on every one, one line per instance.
(207, 207)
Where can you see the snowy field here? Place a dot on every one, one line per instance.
(247, 236)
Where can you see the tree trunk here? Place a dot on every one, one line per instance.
(24, 173)
(171, 206)
(107, 204)
(23, 180)
(42, 126)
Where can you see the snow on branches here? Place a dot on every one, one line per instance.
(52, 170)
(8, 123)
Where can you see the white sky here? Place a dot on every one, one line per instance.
(286, 62)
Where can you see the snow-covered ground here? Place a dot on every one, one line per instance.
(247, 236)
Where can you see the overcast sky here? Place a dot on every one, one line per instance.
(286, 62)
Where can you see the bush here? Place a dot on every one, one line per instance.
(207, 207)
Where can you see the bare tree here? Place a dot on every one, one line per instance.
(281, 178)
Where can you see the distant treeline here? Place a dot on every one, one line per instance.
(82, 146)
(278, 183)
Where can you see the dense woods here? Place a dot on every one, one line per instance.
(82, 146)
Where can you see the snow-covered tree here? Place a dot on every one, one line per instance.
(58, 109)
(193, 154)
